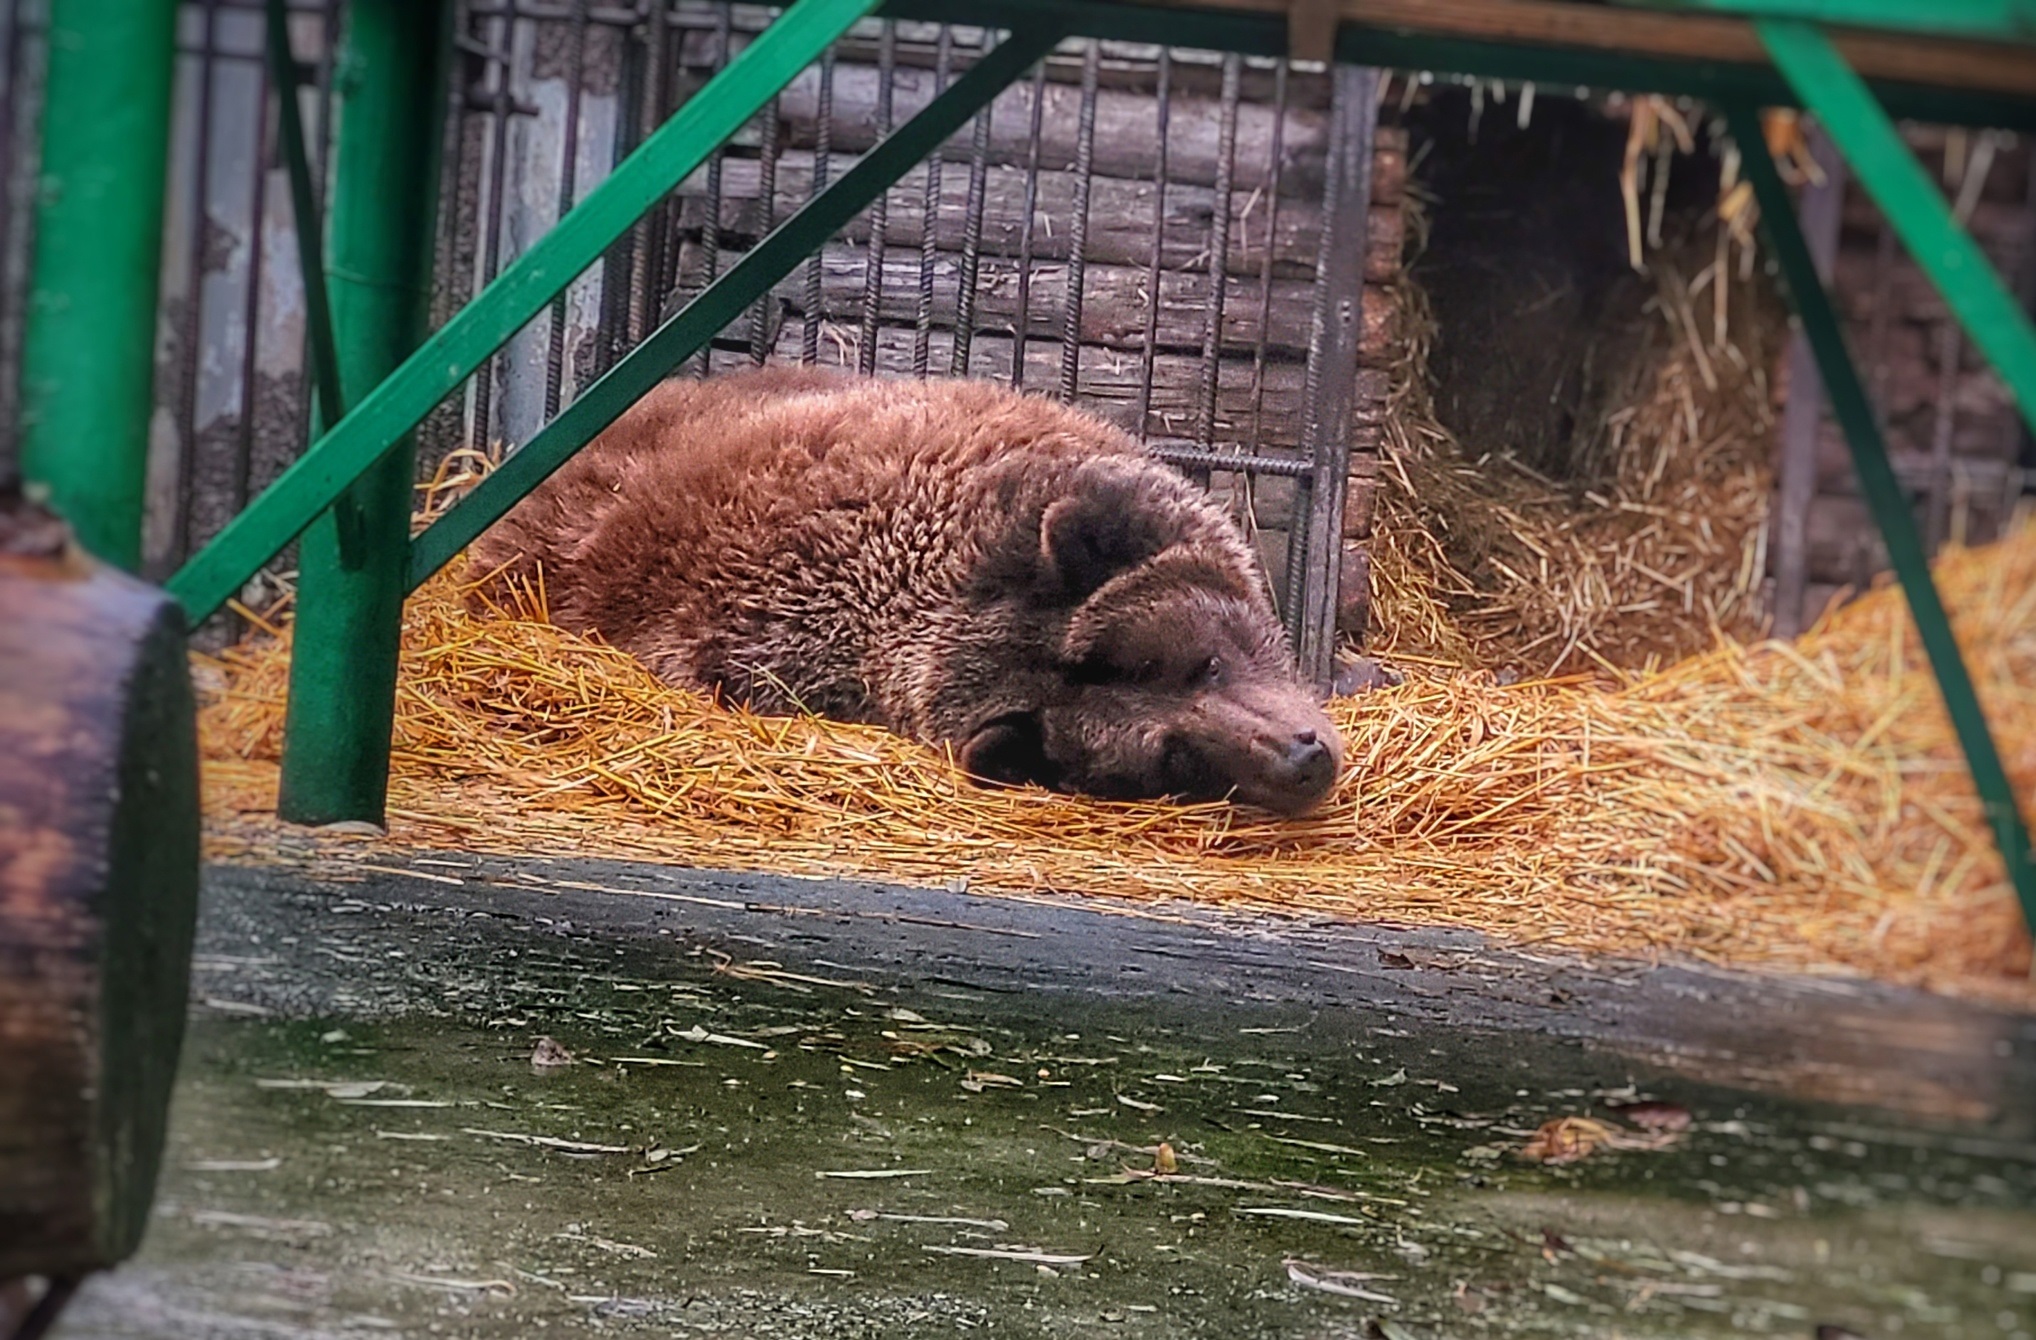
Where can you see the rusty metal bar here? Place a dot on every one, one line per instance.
(1163, 115)
(1078, 239)
(972, 236)
(1025, 225)
(880, 209)
(1219, 250)
(1315, 549)
(929, 232)
(1273, 172)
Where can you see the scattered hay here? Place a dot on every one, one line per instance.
(1797, 806)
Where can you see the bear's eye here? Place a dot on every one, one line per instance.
(1147, 671)
(1208, 674)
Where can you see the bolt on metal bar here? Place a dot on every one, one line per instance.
(761, 267)
(1078, 238)
(518, 294)
(1884, 494)
(88, 352)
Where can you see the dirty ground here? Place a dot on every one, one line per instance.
(464, 1096)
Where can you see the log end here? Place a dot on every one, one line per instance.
(99, 852)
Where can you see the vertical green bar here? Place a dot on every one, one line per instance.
(88, 356)
(389, 102)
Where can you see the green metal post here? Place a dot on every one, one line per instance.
(88, 356)
(390, 90)
(520, 292)
(1889, 505)
(725, 299)
(1914, 207)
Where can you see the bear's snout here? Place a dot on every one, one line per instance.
(1296, 769)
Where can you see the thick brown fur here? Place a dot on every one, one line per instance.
(949, 559)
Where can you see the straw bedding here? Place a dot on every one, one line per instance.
(1653, 538)
(1797, 806)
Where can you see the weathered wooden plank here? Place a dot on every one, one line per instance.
(98, 896)
(1120, 217)
(1124, 65)
(2004, 67)
(1126, 143)
(1114, 301)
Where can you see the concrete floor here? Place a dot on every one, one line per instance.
(813, 1108)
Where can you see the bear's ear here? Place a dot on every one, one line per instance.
(1087, 539)
(1009, 751)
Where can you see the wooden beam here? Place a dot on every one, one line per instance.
(1906, 58)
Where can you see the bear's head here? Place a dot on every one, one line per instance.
(1165, 672)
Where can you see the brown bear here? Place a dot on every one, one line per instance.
(952, 560)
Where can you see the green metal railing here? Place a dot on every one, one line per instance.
(1806, 71)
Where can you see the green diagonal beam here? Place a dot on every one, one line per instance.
(1889, 504)
(2012, 20)
(1912, 203)
(518, 294)
(725, 299)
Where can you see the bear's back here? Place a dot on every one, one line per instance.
(791, 520)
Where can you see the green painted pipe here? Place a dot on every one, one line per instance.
(389, 103)
(88, 355)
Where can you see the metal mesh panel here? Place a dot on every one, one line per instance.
(1133, 229)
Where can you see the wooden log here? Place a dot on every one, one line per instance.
(1109, 381)
(1123, 65)
(1127, 143)
(1120, 217)
(1114, 301)
(98, 896)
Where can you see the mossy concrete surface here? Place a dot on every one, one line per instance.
(451, 1096)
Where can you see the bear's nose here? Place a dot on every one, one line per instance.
(1310, 760)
